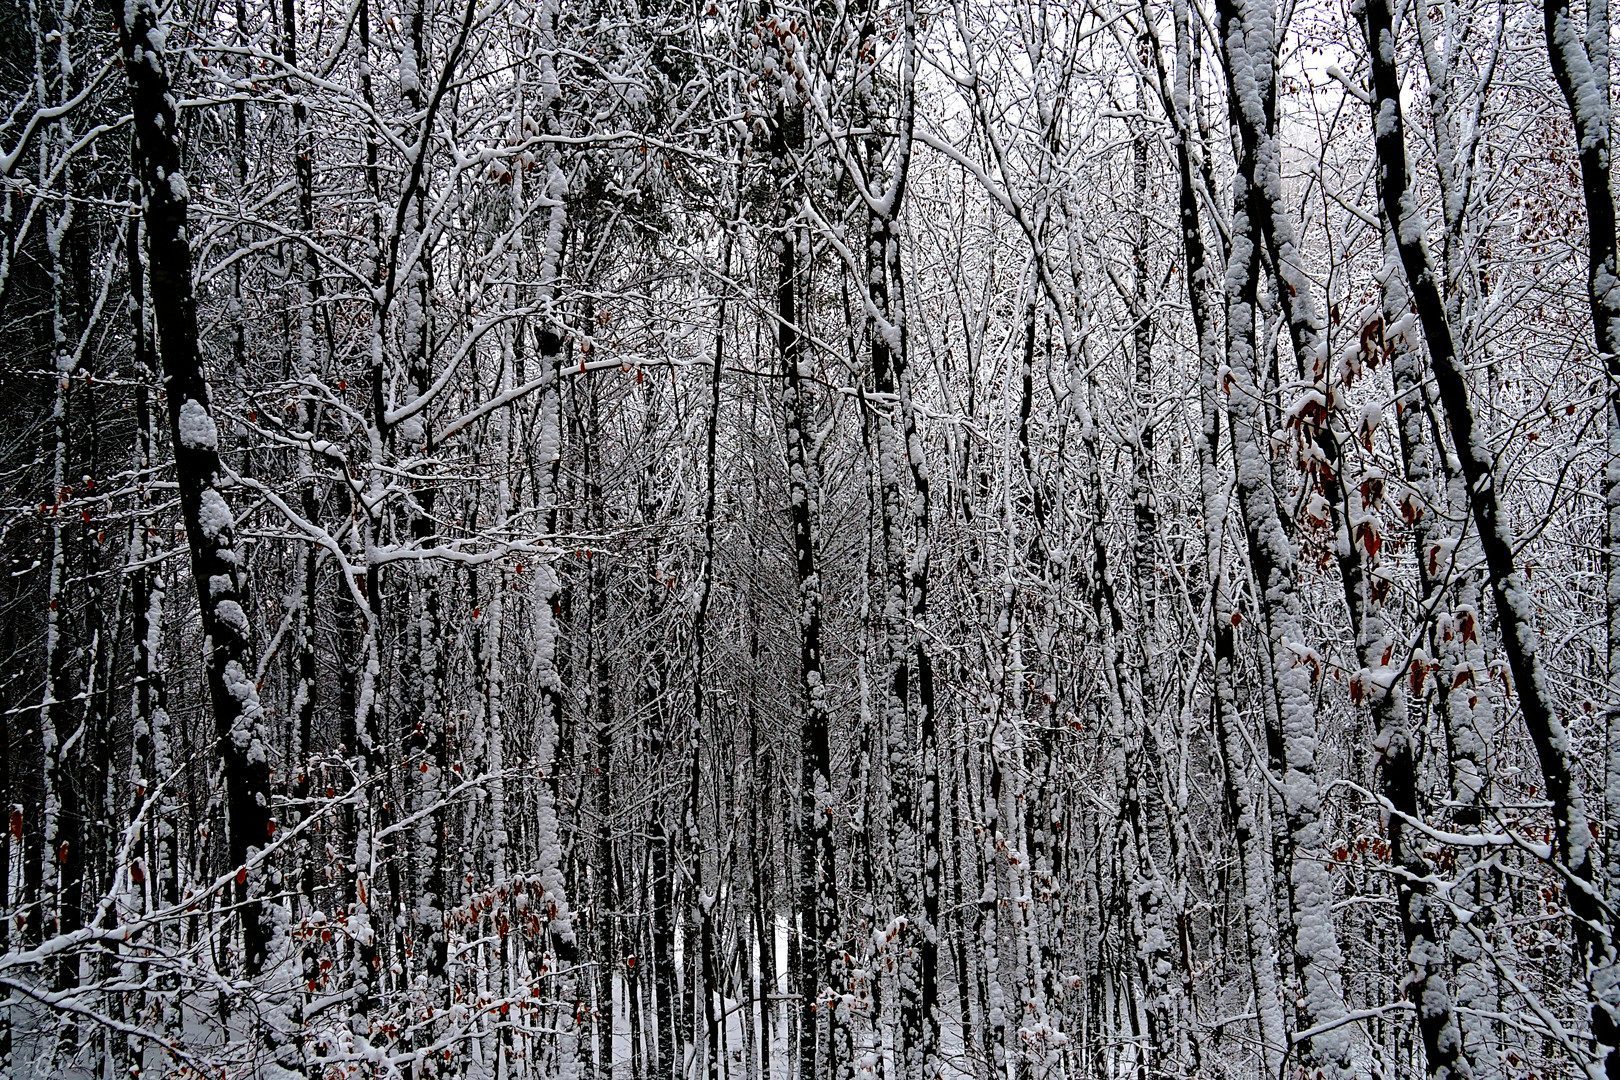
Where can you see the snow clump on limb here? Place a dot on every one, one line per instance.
(197, 430)
(214, 517)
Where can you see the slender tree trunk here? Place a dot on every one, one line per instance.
(1572, 842)
(1247, 35)
(1581, 64)
(210, 526)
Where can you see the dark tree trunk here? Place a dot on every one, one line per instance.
(210, 528)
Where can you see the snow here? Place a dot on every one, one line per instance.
(197, 430)
(213, 515)
(409, 79)
(1174, 686)
(230, 613)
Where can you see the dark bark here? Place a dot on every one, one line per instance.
(1572, 840)
(210, 529)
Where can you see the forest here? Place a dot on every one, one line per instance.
(809, 540)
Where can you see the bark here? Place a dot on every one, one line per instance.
(1247, 33)
(1581, 64)
(1520, 639)
(1259, 931)
(210, 527)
